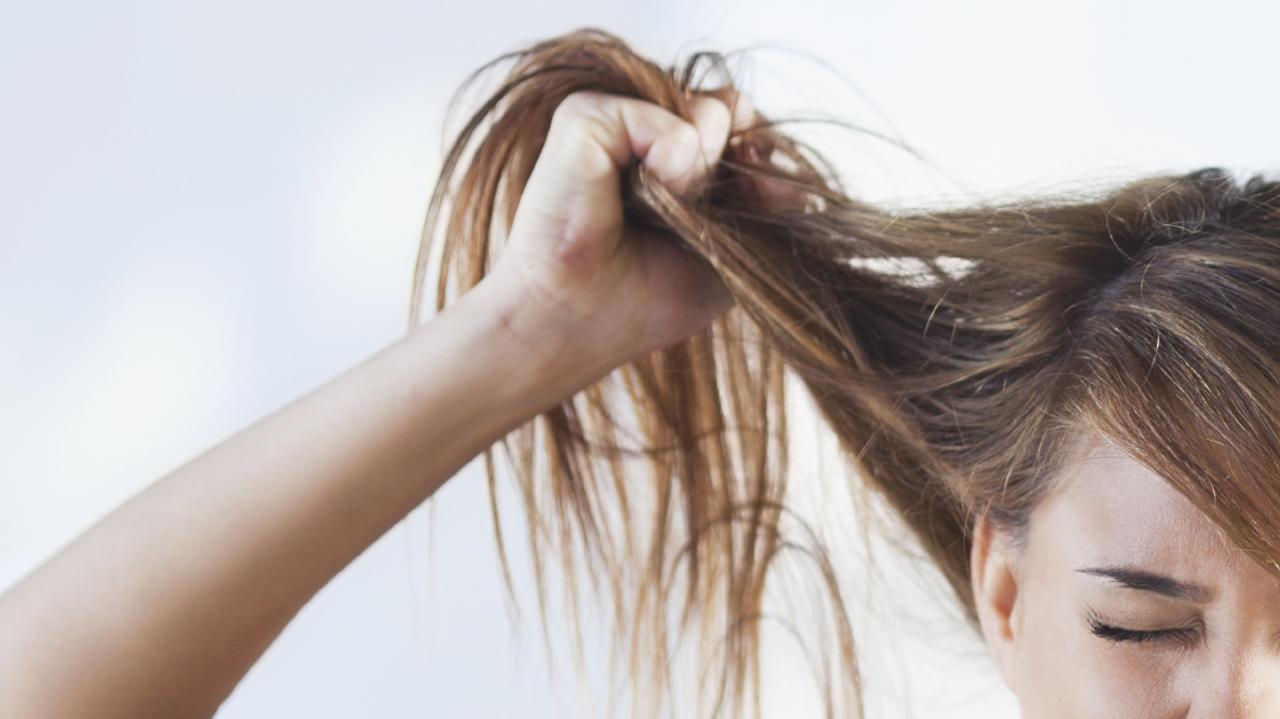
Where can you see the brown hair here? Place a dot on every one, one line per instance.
(954, 353)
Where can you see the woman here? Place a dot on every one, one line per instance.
(1079, 424)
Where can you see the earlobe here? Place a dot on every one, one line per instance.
(995, 593)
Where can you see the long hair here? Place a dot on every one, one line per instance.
(954, 354)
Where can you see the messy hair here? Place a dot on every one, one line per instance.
(955, 354)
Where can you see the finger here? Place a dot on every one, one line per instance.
(758, 147)
(712, 119)
(617, 129)
(740, 107)
(780, 195)
(684, 157)
(746, 128)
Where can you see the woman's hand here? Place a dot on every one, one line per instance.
(601, 290)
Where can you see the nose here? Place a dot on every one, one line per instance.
(1241, 685)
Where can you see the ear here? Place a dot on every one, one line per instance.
(995, 592)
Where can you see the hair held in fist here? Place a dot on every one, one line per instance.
(952, 353)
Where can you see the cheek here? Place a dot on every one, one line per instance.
(1062, 671)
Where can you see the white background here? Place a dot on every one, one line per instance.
(208, 209)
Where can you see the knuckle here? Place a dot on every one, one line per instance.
(580, 127)
(578, 108)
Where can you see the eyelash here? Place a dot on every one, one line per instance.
(1181, 635)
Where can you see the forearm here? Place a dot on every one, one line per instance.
(161, 607)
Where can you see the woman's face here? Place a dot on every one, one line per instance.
(1185, 625)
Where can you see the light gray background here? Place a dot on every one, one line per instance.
(210, 209)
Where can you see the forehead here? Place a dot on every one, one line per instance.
(1107, 508)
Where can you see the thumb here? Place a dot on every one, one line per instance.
(570, 213)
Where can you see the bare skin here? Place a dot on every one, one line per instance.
(1108, 511)
(161, 607)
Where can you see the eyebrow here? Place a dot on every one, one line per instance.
(1143, 580)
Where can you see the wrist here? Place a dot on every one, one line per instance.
(545, 359)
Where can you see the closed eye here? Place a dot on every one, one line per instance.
(1179, 635)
